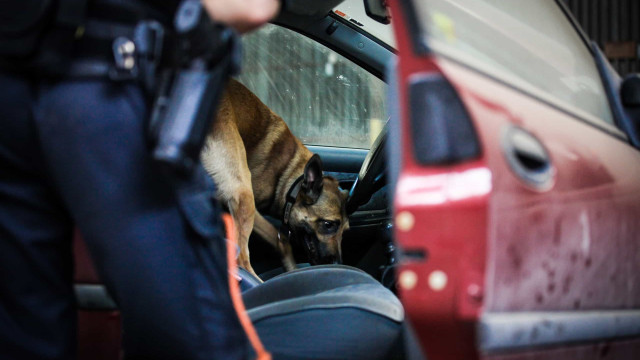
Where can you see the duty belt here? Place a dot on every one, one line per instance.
(120, 52)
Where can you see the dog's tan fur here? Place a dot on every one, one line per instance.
(254, 159)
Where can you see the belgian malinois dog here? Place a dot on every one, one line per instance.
(261, 167)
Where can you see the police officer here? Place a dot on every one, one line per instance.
(73, 154)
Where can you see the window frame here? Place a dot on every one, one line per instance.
(345, 40)
(422, 48)
(606, 77)
(342, 159)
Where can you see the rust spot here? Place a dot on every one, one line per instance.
(515, 257)
(551, 288)
(557, 233)
(598, 214)
(604, 350)
(566, 284)
(539, 298)
(537, 217)
(587, 262)
(574, 257)
(576, 304)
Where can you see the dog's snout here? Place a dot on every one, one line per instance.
(330, 259)
(335, 259)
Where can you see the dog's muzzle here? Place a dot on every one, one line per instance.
(317, 252)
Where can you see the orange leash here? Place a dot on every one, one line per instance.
(236, 295)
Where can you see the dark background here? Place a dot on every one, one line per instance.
(615, 26)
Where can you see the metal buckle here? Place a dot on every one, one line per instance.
(124, 54)
(139, 58)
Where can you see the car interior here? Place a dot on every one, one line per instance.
(367, 245)
(347, 311)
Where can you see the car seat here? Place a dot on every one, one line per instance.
(317, 312)
(325, 312)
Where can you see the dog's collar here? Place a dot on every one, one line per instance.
(290, 199)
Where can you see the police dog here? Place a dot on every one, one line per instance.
(257, 164)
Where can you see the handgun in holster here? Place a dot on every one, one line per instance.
(205, 55)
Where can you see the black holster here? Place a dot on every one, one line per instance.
(184, 109)
(183, 68)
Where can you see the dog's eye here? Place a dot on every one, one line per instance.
(329, 226)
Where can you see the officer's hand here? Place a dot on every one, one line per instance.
(242, 15)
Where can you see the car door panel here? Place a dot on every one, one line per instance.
(552, 255)
(561, 262)
(514, 269)
(573, 245)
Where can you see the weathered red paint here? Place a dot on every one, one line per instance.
(99, 335)
(626, 349)
(84, 271)
(572, 246)
(451, 230)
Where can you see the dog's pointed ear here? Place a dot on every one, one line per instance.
(312, 181)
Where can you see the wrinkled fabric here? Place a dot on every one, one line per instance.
(74, 154)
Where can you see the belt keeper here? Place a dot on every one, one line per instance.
(149, 37)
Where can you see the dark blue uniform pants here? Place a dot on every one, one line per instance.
(74, 154)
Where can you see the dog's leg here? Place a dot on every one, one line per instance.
(242, 209)
(268, 232)
(225, 159)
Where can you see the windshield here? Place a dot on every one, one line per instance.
(324, 98)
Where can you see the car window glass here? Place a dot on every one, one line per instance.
(324, 98)
(532, 40)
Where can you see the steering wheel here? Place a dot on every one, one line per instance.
(372, 175)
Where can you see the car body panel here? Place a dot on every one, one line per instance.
(508, 247)
(624, 349)
(99, 330)
(581, 232)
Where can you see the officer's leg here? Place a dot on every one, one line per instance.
(37, 311)
(148, 243)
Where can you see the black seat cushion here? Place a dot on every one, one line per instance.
(325, 312)
(247, 280)
(268, 275)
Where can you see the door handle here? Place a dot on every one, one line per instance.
(528, 158)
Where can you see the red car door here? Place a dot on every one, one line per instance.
(528, 247)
